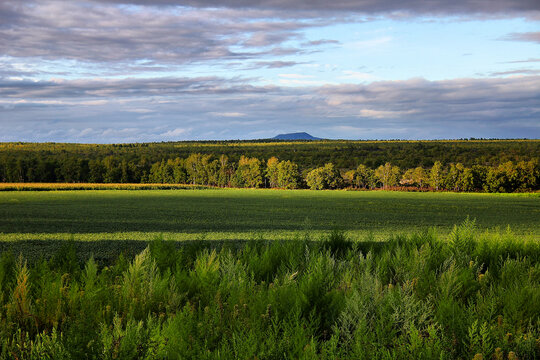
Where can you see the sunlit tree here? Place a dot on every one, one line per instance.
(387, 175)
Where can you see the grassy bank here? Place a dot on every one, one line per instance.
(412, 296)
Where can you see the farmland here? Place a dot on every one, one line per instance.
(190, 273)
(239, 214)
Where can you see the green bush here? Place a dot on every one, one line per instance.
(413, 296)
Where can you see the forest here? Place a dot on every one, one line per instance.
(468, 165)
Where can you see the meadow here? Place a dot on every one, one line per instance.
(241, 214)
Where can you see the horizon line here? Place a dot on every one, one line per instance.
(269, 140)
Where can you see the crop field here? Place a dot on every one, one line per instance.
(104, 223)
(372, 274)
(240, 214)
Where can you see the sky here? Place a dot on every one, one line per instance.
(118, 71)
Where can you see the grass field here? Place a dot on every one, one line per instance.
(233, 214)
(449, 293)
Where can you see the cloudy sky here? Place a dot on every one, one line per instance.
(163, 70)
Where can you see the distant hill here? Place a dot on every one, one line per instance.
(295, 136)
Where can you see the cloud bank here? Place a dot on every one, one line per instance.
(104, 33)
(179, 109)
(360, 6)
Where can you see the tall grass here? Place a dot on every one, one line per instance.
(411, 297)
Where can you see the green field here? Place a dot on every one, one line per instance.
(233, 214)
(461, 292)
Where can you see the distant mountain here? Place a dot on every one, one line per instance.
(295, 136)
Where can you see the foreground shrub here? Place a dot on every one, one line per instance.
(411, 297)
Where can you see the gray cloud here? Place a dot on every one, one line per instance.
(515, 72)
(523, 61)
(200, 31)
(276, 64)
(8, 71)
(418, 98)
(526, 36)
(52, 29)
(321, 42)
(9, 12)
(361, 6)
(113, 88)
(203, 108)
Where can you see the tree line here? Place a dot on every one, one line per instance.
(307, 154)
(252, 172)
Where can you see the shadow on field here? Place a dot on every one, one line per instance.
(105, 252)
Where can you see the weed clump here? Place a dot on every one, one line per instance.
(337, 243)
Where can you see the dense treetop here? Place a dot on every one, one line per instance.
(307, 154)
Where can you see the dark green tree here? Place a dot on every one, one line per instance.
(96, 171)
